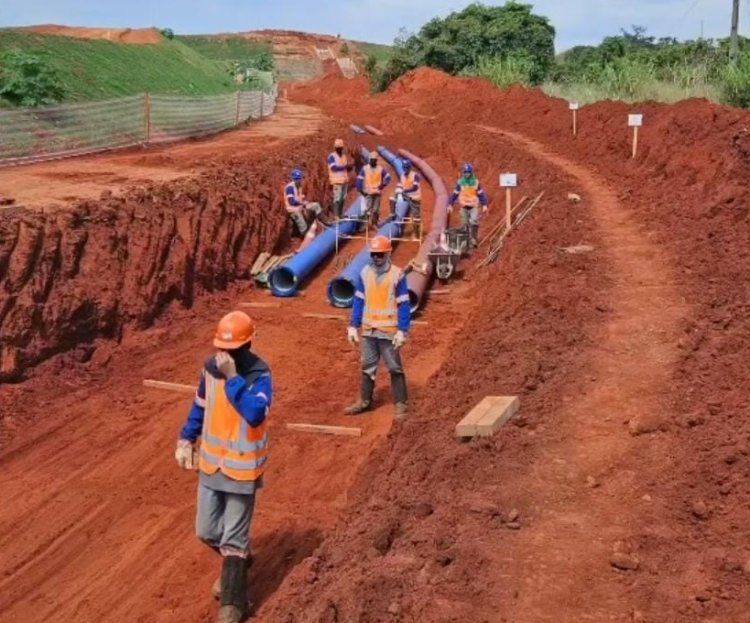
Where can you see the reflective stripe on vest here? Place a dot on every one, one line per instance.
(296, 193)
(381, 307)
(407, 181)
(469, 195)
(228, 442)
(338, 177)
(373, 179)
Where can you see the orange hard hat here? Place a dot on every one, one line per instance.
(339, 142)
(234, 330)
(380, 244)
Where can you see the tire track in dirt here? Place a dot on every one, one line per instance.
(569, 549)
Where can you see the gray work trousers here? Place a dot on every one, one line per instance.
(223, 520)
(298, 216)
(339, 198)
(373, 348)
(372, 208)
(469, 216)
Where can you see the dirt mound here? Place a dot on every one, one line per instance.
(120, 35)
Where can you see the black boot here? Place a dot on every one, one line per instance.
(474, 234)
(400, 395)
(234, 606)
(365, 401)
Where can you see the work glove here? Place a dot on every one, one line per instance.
(186, 455)
(485, 209)
(450, 209)
(399, 339)
(352, 335)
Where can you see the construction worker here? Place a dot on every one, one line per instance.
(470, 195)
(338, 175)
(371, 182)
(297, 206)
(410, 188)
(381, 308)
(229, 413)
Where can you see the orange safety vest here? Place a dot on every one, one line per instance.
(407, 181)
(381, 307)
(373, 179)
(338, 177)
(297, 194)
(469, 195)
(228, 442)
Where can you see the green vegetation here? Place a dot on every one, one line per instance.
(25, 80)
(95, 69)
(231, 49)
(510, 44)
(381, 53)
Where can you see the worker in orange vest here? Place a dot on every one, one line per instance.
(470, 195)
(371, 182)
(381, 309)
(410, 189)
(229, 413)
(297, 206)
(338, 176)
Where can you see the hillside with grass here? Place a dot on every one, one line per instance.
(88, 69)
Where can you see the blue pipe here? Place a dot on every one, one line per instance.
(341, 289)
(357, 130)
(286, 280)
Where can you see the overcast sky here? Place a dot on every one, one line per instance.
(577, 21)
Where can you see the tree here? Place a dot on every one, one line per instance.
(25, 80)
(168, 33)
(462, 40)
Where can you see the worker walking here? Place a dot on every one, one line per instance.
(297, 206)
(229, 413)
(371, 182)
(381, 308)
(470, 195)
(338, 175)
(410, 189)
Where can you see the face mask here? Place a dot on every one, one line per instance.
(373, 163)
(339, 150)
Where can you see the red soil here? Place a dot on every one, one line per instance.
(120, 35)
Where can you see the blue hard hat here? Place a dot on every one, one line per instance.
(406, 163)
(297, 174)
(468, 168)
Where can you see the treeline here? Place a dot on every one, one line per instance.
(511, 44)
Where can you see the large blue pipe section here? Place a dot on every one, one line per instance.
(341, 289)
(286, 280)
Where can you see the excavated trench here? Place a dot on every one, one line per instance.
(70, 276)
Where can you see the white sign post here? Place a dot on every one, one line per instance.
(508, 181)
(574, 106)
(635, 122)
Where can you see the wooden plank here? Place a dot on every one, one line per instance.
(259, 262)
(261, 304)
(487, 417)
(326, 430)
(422, 322)
(438, 292)
(174, 387)
(324, 316)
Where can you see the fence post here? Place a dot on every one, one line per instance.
(237, 116)
(147, 116)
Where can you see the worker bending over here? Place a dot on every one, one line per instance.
(338, 176)
(410, 188)
(371, 182)
(470, 195)
(229, 413)
(381, 308)
(297, 206)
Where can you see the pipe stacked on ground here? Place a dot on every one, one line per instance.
(341, 288)
(418, 281)
(374, 131)
(356, 129)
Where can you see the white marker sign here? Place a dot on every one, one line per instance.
(635, 121)
(508, 180)
(573, 105)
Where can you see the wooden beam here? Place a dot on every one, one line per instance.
(261, 304)
(489, 416)
(259, 262)
(326, 430)
(324, 316)
(174, 387)
(438, 292)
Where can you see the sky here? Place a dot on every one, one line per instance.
(578, 22)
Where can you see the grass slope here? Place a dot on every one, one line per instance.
(223, 49)
(381, 52)
(95, 69)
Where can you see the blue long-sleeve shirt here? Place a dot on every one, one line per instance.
(402, 301)
(252, 403)
(457, 191)
(386, 179)
(292, 195)
(336, 168)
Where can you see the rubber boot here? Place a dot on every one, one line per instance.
(400, 395)
(234, 606)
(216, 587)
(365, 402)
(474, 235)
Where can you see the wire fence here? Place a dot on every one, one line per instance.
(51, 132)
